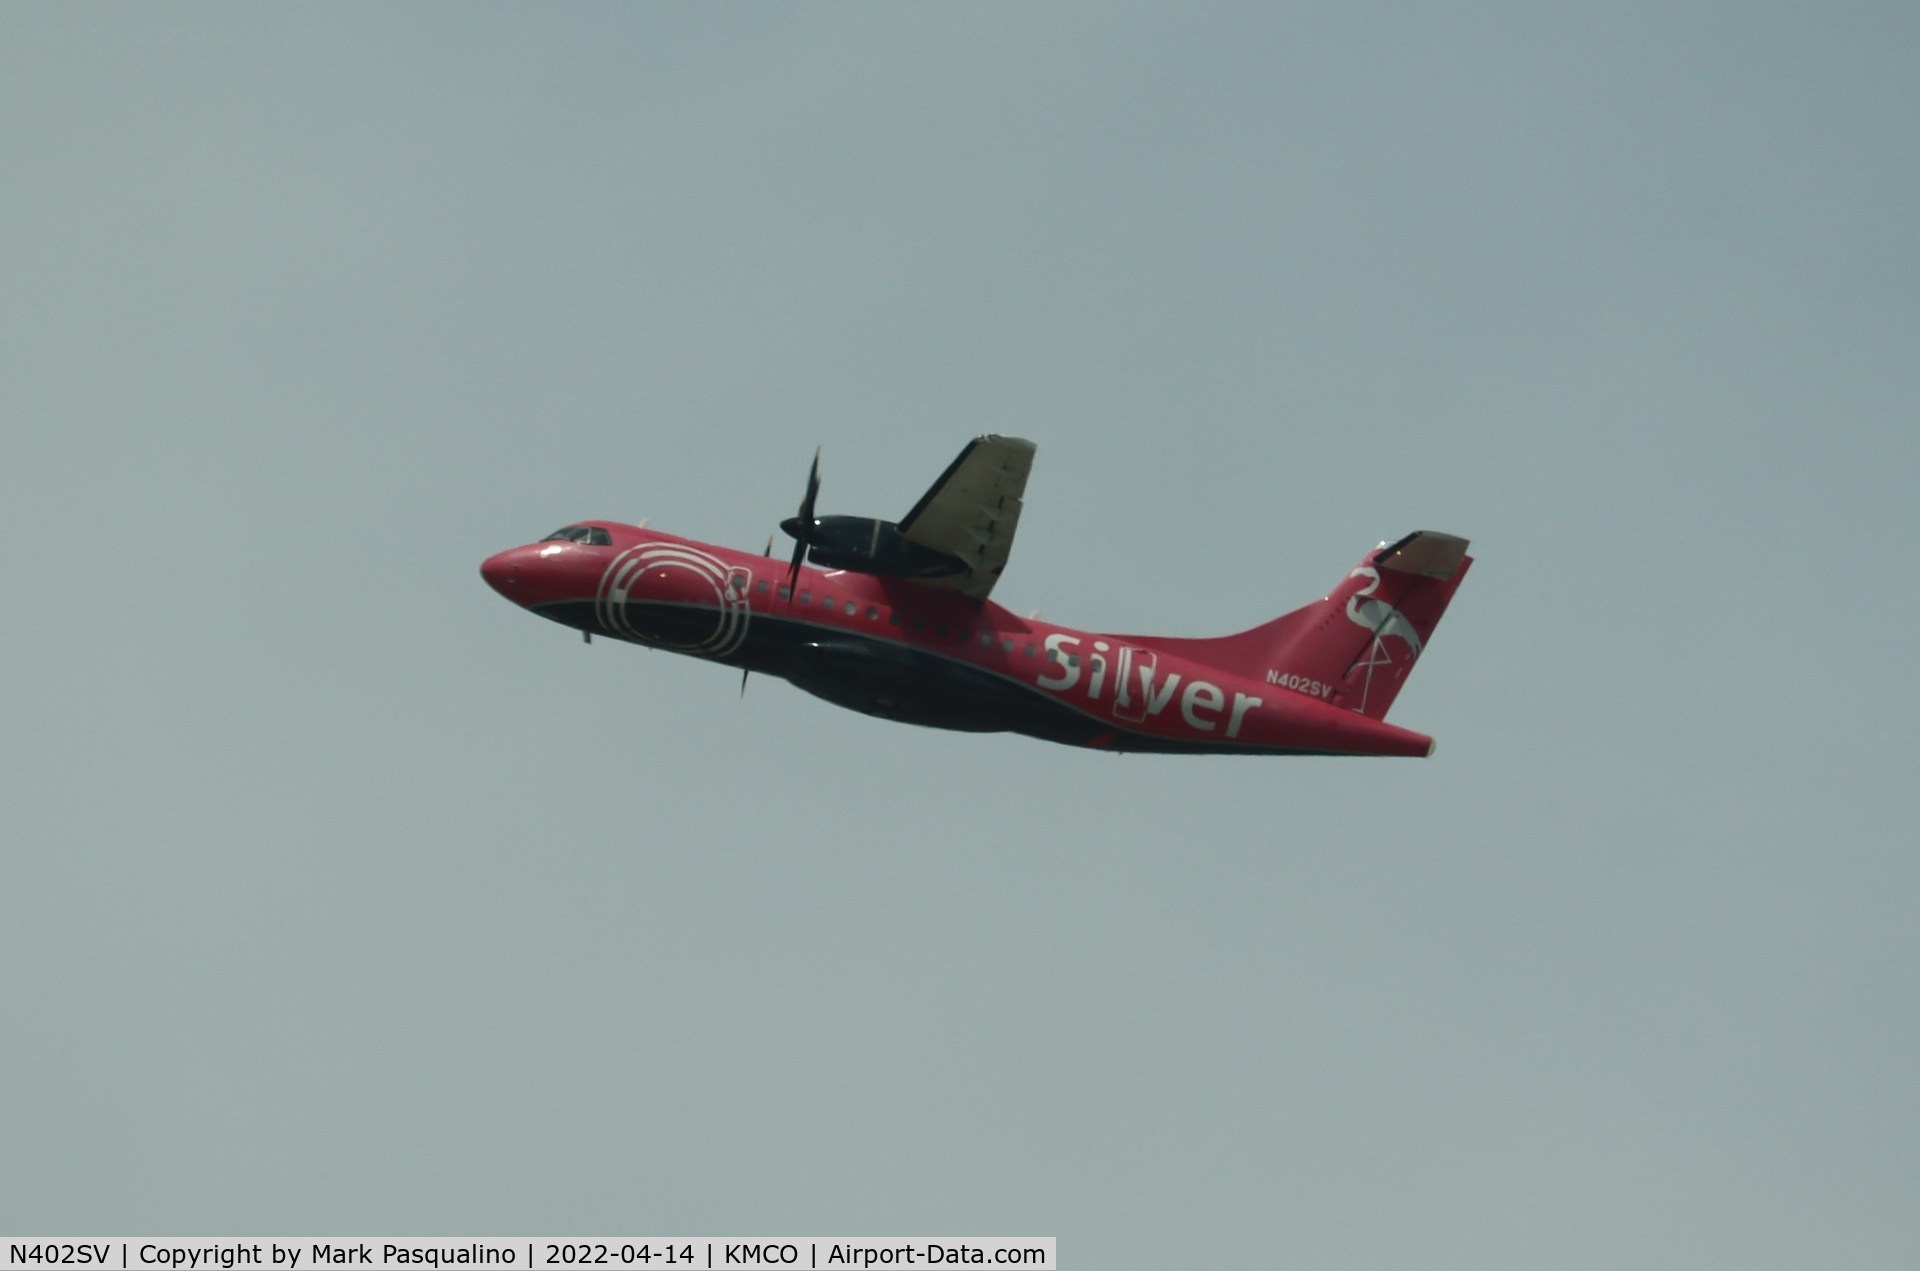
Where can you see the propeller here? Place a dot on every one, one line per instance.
(800, 526)
(746, 671)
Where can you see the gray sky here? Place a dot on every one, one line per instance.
(336, 895)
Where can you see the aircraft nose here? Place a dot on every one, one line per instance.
(502, 571)
(541, 574)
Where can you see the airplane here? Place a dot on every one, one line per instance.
(893, 619)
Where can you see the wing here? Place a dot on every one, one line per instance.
(973, 509)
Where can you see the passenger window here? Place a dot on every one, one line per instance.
(940, 628)
(806, 597)
(893, 618)
(986, 639)
(826, 602)
(760, 588)
(852, 609)
(1006, 645)
(1030, 650)
(786, 592)
(873, 612)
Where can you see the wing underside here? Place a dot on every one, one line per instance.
(973, 509)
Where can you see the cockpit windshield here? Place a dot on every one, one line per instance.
(591, 535)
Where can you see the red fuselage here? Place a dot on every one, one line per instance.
(901, 650)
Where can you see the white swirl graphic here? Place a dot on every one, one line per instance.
(621, 581)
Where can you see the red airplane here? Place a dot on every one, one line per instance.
(898, 625)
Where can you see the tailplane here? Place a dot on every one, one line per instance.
(1355, 648)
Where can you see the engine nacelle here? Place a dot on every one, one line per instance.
(870, 546)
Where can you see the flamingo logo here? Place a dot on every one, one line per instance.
(1383, 622)
(1377, 616)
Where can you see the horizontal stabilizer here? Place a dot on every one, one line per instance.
(1423, 552)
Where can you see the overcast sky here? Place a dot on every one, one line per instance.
(339, 896)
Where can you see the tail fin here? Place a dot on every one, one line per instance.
(1355, 648)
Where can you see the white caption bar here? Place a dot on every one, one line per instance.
(524, 1253)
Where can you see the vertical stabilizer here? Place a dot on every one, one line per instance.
(1355, 648)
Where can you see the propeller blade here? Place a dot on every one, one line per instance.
(793, 570)
(813, 489)
(801, 526)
